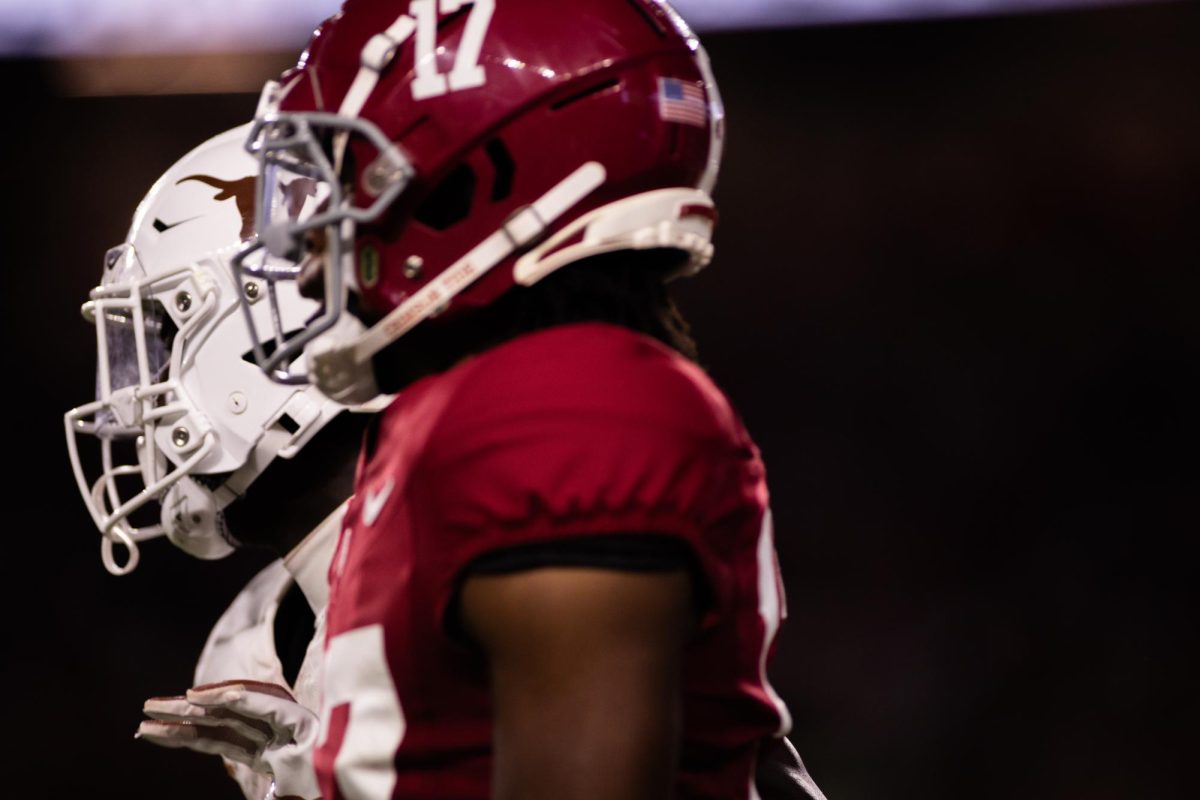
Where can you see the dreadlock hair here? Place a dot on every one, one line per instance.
(626, 288)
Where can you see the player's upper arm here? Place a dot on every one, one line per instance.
(585, 670)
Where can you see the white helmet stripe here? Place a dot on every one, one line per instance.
(378, 52)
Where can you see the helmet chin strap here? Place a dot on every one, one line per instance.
(341, 366)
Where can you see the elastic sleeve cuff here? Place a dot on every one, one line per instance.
(631, 552)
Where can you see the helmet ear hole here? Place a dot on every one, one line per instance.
(450, 201)
(505, 168)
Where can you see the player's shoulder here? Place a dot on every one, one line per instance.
(593, 372)
(578, 431)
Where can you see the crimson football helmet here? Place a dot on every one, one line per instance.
(181, 417)
(467, 146)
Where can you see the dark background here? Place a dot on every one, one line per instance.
(955, 300)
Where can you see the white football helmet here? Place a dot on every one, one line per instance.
(183, 415)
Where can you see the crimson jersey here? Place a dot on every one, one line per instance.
(557, 437)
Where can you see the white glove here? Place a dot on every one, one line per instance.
(253, 723)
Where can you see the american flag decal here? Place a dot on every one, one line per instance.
(682, 102)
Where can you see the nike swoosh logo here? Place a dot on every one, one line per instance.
(375, 501)
(163, 227)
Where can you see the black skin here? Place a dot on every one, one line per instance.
(585, 669)
(295, 495)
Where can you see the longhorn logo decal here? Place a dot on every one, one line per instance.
(240, 191)
(295, 194)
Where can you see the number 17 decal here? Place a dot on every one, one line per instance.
(467, 73)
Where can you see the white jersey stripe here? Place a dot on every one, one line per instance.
(771, 610)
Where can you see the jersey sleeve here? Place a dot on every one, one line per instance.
(242, 645)
(585, 436)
